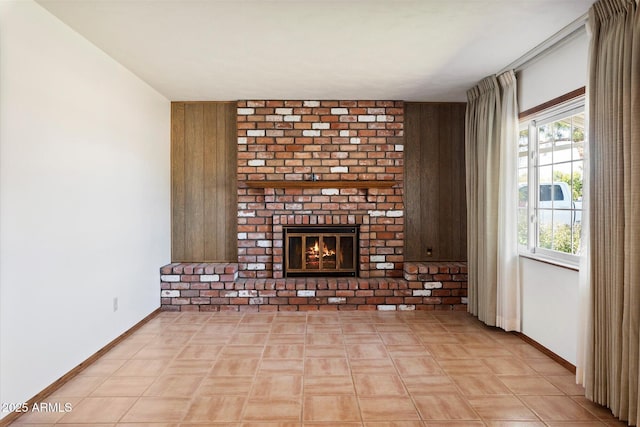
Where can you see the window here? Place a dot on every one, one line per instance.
(551, 160)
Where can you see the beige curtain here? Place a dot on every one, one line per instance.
(490, 144)
(611, 371)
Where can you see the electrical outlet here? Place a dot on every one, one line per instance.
(115, 304)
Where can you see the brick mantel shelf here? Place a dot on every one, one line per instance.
(322, 184)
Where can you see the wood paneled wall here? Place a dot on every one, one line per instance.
(435, 200)
(203, 182)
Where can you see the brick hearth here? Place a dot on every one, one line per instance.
(217, 287)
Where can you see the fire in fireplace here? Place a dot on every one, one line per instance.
(321, 251)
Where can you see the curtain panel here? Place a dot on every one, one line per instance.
(612, 357)
(491, 171)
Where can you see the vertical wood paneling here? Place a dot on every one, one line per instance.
(210, 183)
(177, 181)
(435, 182)
(204, 182)
(194, 180)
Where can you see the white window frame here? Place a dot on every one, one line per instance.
(531, 122)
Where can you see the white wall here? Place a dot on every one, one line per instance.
(550, 306)
(560, 71)
(550, 293)
(84, 199)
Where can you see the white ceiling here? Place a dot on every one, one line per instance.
(414, 50)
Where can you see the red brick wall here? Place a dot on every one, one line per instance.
(336, 140)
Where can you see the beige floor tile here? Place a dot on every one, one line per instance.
(189, 367)
(412, 366)
(437, 338)
(325, 351)
(547, 367)
(239, 386)
(480, 385)
(290, 339)
(379, 385)
(326, 366)
(367, 351)
(284, 351)
(501, 408)
(322, 319)
(454, 424)
(488, 350)
(200, 352)
(509, 366)
(157, 353)
(580, 424)
(170, 340)
(325, 339)
(444, 407)
(272, 424)
(235, 367)
(501, 423)
(418, 350)
(79, 386)
(281, 367)
(245, 351)
(289, 328)
(248, 339)
(323, 369)
(393, 328)
(145, 425)
(276, 387)
(464, 367)
(448, 351)
(405, 338)
(157, 409)
(394, 424)
(362, 339)
(216, 409)
(387, 408)
(125, 351)
(566, 384)
(358, 328)
(373, 366)
(522, 385)
(328, 385)
(141, 368)
(273, 410)
(254, 328)
(320, 329)
(174, 386)
(599, 411)
(103, 367)
(557, 408)
(525, 351)
(123, 386)
(330, 408)
(99, 410)
(429, 384)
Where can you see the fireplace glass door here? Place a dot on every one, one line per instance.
(321, 251)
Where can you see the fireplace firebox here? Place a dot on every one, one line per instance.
(316, 251)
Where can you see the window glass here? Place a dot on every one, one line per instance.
(551, 158)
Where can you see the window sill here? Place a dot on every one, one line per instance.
(550, 261)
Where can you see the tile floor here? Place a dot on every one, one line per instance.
(322, 369)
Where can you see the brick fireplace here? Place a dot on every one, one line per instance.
(337, 143)
(317, 164)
